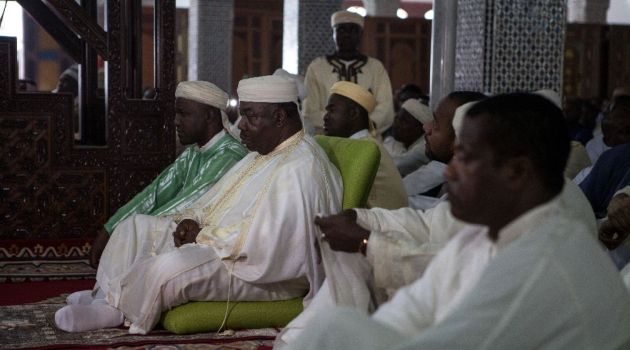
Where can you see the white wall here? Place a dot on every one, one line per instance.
(618, 12)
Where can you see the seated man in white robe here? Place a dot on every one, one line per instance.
(248, 238)
(407, 143)
(515, 278)
(201, 123)
(424, 185)
(347, 115)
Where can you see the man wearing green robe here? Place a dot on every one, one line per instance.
(200, 119)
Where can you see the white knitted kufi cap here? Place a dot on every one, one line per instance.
(72, 72)
(298, 79)
(419, 111)
(625, 190)
(202, 92)
(458, 117)
(268, 89)
(340, 17)
(551, 96)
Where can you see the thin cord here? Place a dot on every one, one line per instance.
(3, 10)
(227, 305)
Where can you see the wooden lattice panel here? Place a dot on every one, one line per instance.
(54, 194)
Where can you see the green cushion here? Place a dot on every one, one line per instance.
(206, 316)
(357, 161)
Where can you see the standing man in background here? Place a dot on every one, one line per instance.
(347, 64)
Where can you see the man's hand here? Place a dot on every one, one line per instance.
(342, 232)
(186, 232)
(615, 230)
(102, 237)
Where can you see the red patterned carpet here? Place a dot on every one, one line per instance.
(31, 292)
(31, 326)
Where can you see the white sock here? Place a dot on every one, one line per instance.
(80, 318)
(82, 297)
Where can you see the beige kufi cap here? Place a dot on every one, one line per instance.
(458, 117)
(551, 96)
(268, 89)
(202, 92)
(419, 111)
(340, 17)
(356, 93)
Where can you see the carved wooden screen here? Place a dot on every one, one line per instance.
(618, 58)
(404, 47)
(583, 60)
(55, 194)
(596, 60)
(257, 40)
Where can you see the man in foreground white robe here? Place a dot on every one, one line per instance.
(531, 276)
(248, 238)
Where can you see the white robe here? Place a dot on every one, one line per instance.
(545, 284)
(393, 147)
(373, 76)
(407, 159)
(578, 160)
(424, 179)
(256, 241)
(401, 245)
(596, 146)
(402, 242)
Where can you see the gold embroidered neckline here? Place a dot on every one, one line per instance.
(291, 141)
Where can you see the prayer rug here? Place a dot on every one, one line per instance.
(32, 326)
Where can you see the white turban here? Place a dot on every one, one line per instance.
(202, 92)
(340, 17)
(72, 72)
(298, 79)
(458, 117)
(419, 111)
(268, 89)
(356, 93)
(208, 94)
(551, 96)
(625, 190)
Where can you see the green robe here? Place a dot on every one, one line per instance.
(192, 173)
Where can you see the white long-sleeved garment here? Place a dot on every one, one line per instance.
(409, 159)
(545, 284)
(425, 178)
(256, 238)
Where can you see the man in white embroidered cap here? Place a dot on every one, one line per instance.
(347, 64)
(247, 238)
(199, 119)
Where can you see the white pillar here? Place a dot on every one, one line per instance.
(587, 11)
(307, 33)
(443, 38)
(210, 26)
(381, 8)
